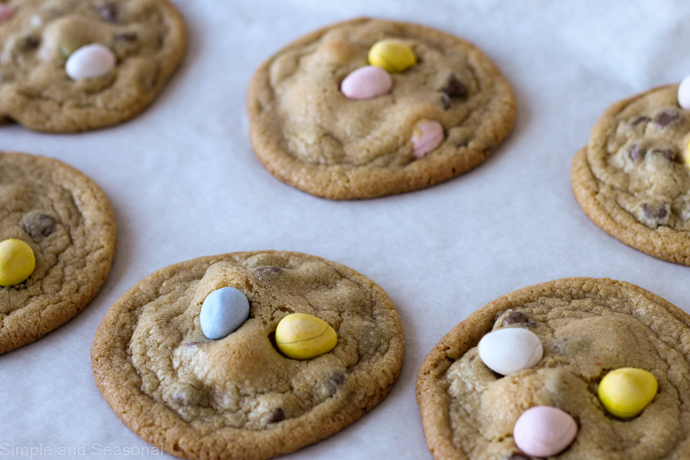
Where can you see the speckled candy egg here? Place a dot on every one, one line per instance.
(625, 392)
(543, 431)
(90, 61)
(223, 312)
(17, 262)
(303, 336)
(366, 82)
(392, 56)
(426, 136)
(510, 350)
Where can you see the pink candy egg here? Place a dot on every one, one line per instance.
(366, 82)
(543, 431)
(5, 12)
(684, 93)
(427, 135)
(90, 61)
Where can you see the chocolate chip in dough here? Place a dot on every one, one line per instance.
(107, 11)
(667, 117)
(278, 415)
(517, 318)
(38, 225)
(454, 87)
(669, 154)
(636, 152)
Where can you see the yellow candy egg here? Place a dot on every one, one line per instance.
(625, 392)
(302, 336)
(686, 154)
(17, 262)
(392, 56)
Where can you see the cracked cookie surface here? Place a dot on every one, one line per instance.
(587, 327)
(147, 37)
(67, 221)
(310, 136)
(238, 397)
(631, 179)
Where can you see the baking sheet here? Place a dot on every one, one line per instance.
(184, 183)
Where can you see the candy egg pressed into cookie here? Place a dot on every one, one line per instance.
(633, 176)
(76, 65)
(247, 355)
(366, 108)
(609, 378)
(57, 242)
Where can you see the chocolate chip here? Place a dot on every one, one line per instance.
(29, 42)
(126, 37)
(518, 457)
(669, 154)
(278, 415)
(107, 11)
(655, 211)
(640, 119)
(37, 225)
(445, 101)
(667, 117)
(338, 379)
(454, 87)
(517, 317)
(267, 272)
(636, 152)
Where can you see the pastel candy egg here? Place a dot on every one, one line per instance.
(426, 136)
(223, 312)
(543, 431)
(303, 336)
(392, 56)
(686, 154)
(510, 350)
(366, 82)
(6, 12)
(17, 262)
(684, 93)
(625, 392)
(90, 61)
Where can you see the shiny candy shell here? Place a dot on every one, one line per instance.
(6, 12)
(625, 392)
(17, 262)
(510, 350)
(90, 61)
(684, 93)
(366, 82)
(303, 336)
(543, 431)
(392, 56)
(426, 136)
(223, 312)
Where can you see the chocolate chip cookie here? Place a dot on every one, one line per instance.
(69, 227)
(145, 40)
(588, 327)
(446, 111)
(238, 397)
(632, 178)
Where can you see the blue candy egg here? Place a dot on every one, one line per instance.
(223, 312)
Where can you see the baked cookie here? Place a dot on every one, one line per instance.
(237, 396)
(438, 108)
(57, 242)
(588, 329)
(631, 178)
(75, 65)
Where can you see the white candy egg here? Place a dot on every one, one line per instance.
(90, 61)
(510, 350)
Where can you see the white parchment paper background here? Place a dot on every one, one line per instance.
(184, 183)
